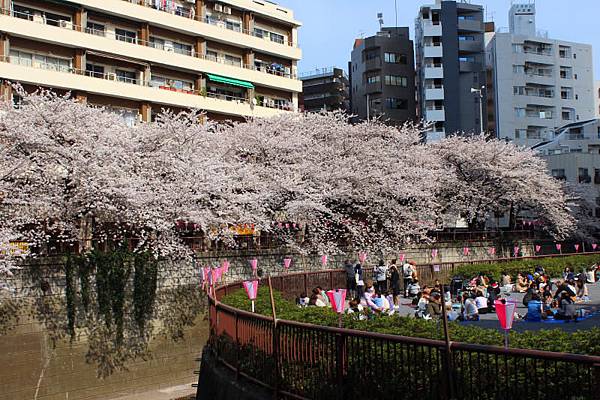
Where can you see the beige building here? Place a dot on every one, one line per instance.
(230, 58)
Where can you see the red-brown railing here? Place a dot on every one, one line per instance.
(304, 361)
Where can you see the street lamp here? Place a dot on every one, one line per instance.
(480, 93)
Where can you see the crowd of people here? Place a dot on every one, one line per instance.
(464, 300)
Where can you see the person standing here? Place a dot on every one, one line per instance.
(407, 273)
(394, 281)
(350, 278)
(381, 277)
(360, 283)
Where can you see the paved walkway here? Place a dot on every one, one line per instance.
(168, 393)
(491, 320)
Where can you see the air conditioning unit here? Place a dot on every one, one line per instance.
(38, 17)
(226, 10)
(65, 24)
(168, 46)
(111, 76)
(218, 7)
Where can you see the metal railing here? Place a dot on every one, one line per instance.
(190, 14)
(304, 361)
(137, 41)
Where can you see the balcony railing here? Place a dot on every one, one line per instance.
(540, 114)
(190, 14)
(537, 52)
(134, 81)
(158, 46)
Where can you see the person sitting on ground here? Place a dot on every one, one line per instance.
(414, 288)
(315, 300)
(582, 291)
(422, 304)
(506, 280)
(522, 284)
(566, 273)
(368, 297)
(547, 303)
(566, 309)
(539, 269)
(482, 303)
(534, 309)
(323, 296)
(434, 307)
(469, 308)
(493, 294)
(302, 300)
(354, 307)
(529, 294)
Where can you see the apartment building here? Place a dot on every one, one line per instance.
(231, 58)
(325, 89)
(451, 76)
(597, 98)
(382, 77)
(574, 156)
(540, 83)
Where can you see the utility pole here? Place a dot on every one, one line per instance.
(480, 93)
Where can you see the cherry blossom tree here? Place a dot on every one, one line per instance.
(479, 176)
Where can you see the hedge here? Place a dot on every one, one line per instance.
(580, 342)
(554, 266)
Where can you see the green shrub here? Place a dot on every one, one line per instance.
(553, 266)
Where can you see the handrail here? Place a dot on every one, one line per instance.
(308, 343)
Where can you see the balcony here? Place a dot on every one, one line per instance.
(373, 64)
(374, 87)
(433, 50)
(435, 114)
(540, 114)
(50, 75)
(433, 71)
(433, 93)
(429, 29)
(193, 26)
(470, 46)
(79, 37)
(470, 25)
(584, 179)
(469, 66)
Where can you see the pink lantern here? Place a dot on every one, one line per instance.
(337, 298)
(516, 251)
(594, 245)
(287, 226)
(225, 266)
(434, 253)
(254, 264)
(280, 225)
(251, 290)
(558, 246)
(402, 257)
(505, 310)
(294, 225)
(286, 263)
(492, 251)
(537, 248)
(362, 256)
(324, 259)
(466, 251)
(576, 248)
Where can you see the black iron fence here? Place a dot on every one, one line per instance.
(304, 361)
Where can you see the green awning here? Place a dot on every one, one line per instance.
(230, 81)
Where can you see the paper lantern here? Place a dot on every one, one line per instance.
(466, 251)
(324, 259)
(558, 246)
(434, 253)
(537, 248)
(254, 264)
(286, 263)
(505, 310)
(492, 251)
(337, 298)
(576, 248)
(516, 251)
(362, 256)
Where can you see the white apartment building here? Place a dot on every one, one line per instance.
(574, 156)
(231, 58)
(597, 98)
(539, 83)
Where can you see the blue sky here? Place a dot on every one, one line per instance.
(330, 26)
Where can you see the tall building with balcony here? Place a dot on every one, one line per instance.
(450, 59)
(382, 77)
(540, 83)
(325, 89)
(231, 58)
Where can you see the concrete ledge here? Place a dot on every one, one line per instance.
(217, 382)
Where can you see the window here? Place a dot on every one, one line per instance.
(520, 112)
(125, 76)
(371, 55)
(566, 93)
(373, 79)
(583, 176)
(96, 71)
(396, 80)
(233, 60)
(566, 72)
(597, 182)
(395, 58)
(466, 38)
(165, 83)
(260, 33)
(466, 59)
(520, 133)
(235, 26)
(277, 38)
(182, 48)
(95, 28)
(183, 11)
(394, 103)
(125, 36)
(55, 19)
(157, 43)
(517, 48)
(559, 174)
(41, 61)
(518, 69)
(23, 12)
